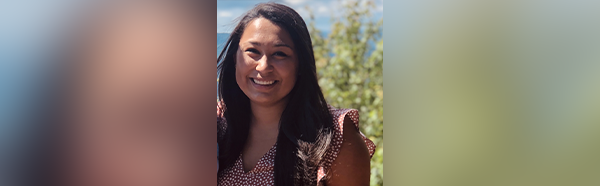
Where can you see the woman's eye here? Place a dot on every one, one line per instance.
(280, 54)
(252, 50)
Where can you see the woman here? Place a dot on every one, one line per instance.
(274, 125)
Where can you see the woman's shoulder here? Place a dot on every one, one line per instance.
(350, 163)
(339, 117)
(339, 114)
(220, 111)
(221, 124)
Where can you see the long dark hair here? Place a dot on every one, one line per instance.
(306, 124)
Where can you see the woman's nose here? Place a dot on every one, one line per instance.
(263, 64)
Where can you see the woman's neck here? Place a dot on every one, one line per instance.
(266, 117)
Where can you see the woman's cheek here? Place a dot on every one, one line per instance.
(240, 69)
(288, 72)
(243, 63)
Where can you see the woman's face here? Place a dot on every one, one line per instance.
(266, 62)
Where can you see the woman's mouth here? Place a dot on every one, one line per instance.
(263, 83)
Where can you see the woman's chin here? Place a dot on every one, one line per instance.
(264, 100)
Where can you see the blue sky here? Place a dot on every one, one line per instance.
(228, 10)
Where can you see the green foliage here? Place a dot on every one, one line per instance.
(350, 69)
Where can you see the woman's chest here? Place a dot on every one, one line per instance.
(261, 174)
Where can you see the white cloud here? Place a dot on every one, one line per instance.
(344, 2)
(295, 2)
(303, 13)
(226, 18)
(322, 9)
(225, 14)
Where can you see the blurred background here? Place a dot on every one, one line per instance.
(493, 92)
(39, 41)
(29, 32)
(347, 38)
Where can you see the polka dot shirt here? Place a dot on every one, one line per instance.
(262, 173)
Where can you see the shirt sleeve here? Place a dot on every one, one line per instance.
(221, 124)
(338, 127)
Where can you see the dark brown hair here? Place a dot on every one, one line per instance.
(306, 124)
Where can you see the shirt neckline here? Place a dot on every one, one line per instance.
(257, 165)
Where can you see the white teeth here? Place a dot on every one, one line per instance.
(263, 82)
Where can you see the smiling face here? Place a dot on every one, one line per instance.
(266, 62)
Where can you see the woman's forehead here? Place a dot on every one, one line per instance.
(262, 31)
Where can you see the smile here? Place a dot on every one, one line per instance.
(264, 83)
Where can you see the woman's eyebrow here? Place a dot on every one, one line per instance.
(279, 44)
(282, 45)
